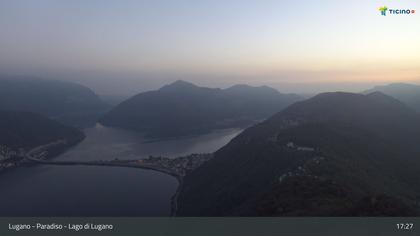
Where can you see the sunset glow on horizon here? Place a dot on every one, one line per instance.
(258, 41)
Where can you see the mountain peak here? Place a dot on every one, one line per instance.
(182, 108)
(373, 109)
(334, 147)
(345, 100)
(378, 94)
(179, 84)
(336, 94)
(334, 97)
(395, 88)
(399, 85)
(240, 86)
(406, 93)
(244, 88)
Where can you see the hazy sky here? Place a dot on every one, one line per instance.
(213, 42)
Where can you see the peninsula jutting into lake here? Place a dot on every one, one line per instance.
(208, 109)
(98, 171)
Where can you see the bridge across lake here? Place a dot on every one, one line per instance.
(116, 163)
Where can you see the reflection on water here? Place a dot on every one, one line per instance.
(85, 191)
(101, 191)
(110, 143)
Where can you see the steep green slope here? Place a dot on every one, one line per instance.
(66, 102)
(182, 108)
(334, 154)
(28, 130)
(406, 93)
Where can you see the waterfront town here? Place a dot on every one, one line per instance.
(180, 165)
(10, 158)
(177, 167)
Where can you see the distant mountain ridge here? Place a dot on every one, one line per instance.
(336, 154)
(66, 102)
(28, 130)
(182, 108)
(406, 93)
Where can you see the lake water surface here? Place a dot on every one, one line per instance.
(102, 191)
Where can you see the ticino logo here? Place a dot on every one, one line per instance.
(384, 10)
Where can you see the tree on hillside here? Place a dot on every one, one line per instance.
(5, 152)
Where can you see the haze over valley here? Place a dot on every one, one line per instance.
(208, 108)
(334, 150)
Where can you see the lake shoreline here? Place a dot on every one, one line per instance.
(124, 192)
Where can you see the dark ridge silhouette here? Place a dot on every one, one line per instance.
(182, 108)
(336, 154)
(28, 130)
(406, 93)
(66, 102)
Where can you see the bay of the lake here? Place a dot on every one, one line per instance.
(43, 190)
